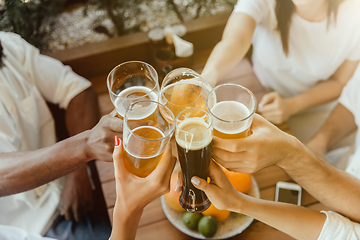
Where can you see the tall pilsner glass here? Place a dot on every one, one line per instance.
(232, 107)
(183, 88)
(193, 136)
(145, 136)
(130, 82)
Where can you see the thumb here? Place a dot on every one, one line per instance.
(267, 98)
(118, 157)
(201, 184)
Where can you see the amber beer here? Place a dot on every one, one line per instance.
(149, 152)
(132, 81)
(231, 128)
(193, 137)
(144, 141)
(182, 89)
(232, 107)
(131, 95)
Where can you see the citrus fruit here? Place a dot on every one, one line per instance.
(220, 215)
(191, 220)
(172, 197)
(207, 226)
(240, 181)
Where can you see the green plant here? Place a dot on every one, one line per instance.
(31, 19)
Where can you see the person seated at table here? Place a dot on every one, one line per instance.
(266, 146)
(304, 52)
(343, 120)
(132, 193)
(27, 138)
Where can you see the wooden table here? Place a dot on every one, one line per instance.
(155, 226)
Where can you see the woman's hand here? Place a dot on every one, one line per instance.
(267, 145)
(220, 191)
(275, 108)
(134, 193)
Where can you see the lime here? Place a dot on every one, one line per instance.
(191, 220)
(207, 226)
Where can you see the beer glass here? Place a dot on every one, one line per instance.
(183, 88)
(193, 135)
(145, 136)
(232, 107)
(130, 82)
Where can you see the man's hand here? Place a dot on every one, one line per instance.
(77, 196)
(267, 145)
(100, 141)
(275, 108)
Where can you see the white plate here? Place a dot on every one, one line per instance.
(233, 225)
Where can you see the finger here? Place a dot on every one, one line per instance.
(180, 182)
(68, 215)
(113, 123)
(271, 107)
(77, 214)
(209, 189)
(217, 175)
(119, 166)
(113, 113)
(267, 98)
(166, 164)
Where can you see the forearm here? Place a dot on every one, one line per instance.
(339, 124)
(222, 59)
(296, 221)
(41, 166)
(125, 223)
(321, 93)
(331, 186)
(235, 42)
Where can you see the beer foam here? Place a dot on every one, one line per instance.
(122, 101)
(194, 134)
(134, 138)
(233, 112)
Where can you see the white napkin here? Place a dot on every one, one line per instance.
(182, 48)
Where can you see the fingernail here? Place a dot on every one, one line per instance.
(195, 181)
(117, 141)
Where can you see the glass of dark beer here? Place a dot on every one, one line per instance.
(132, 81)
(193, 135)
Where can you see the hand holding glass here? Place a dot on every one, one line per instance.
(145, 136)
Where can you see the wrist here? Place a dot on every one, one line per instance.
(295, 105)
(125, 222)
(86, 149)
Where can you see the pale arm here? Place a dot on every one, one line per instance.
(327, 90)
(277, 109)
(235, 42)
(134, 193)
(268, 146)
(339, 124)
(285, 217)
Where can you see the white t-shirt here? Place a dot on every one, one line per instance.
(316, 50)
(27, 81)
(12, 233)
(350, 98)
(337, 227)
